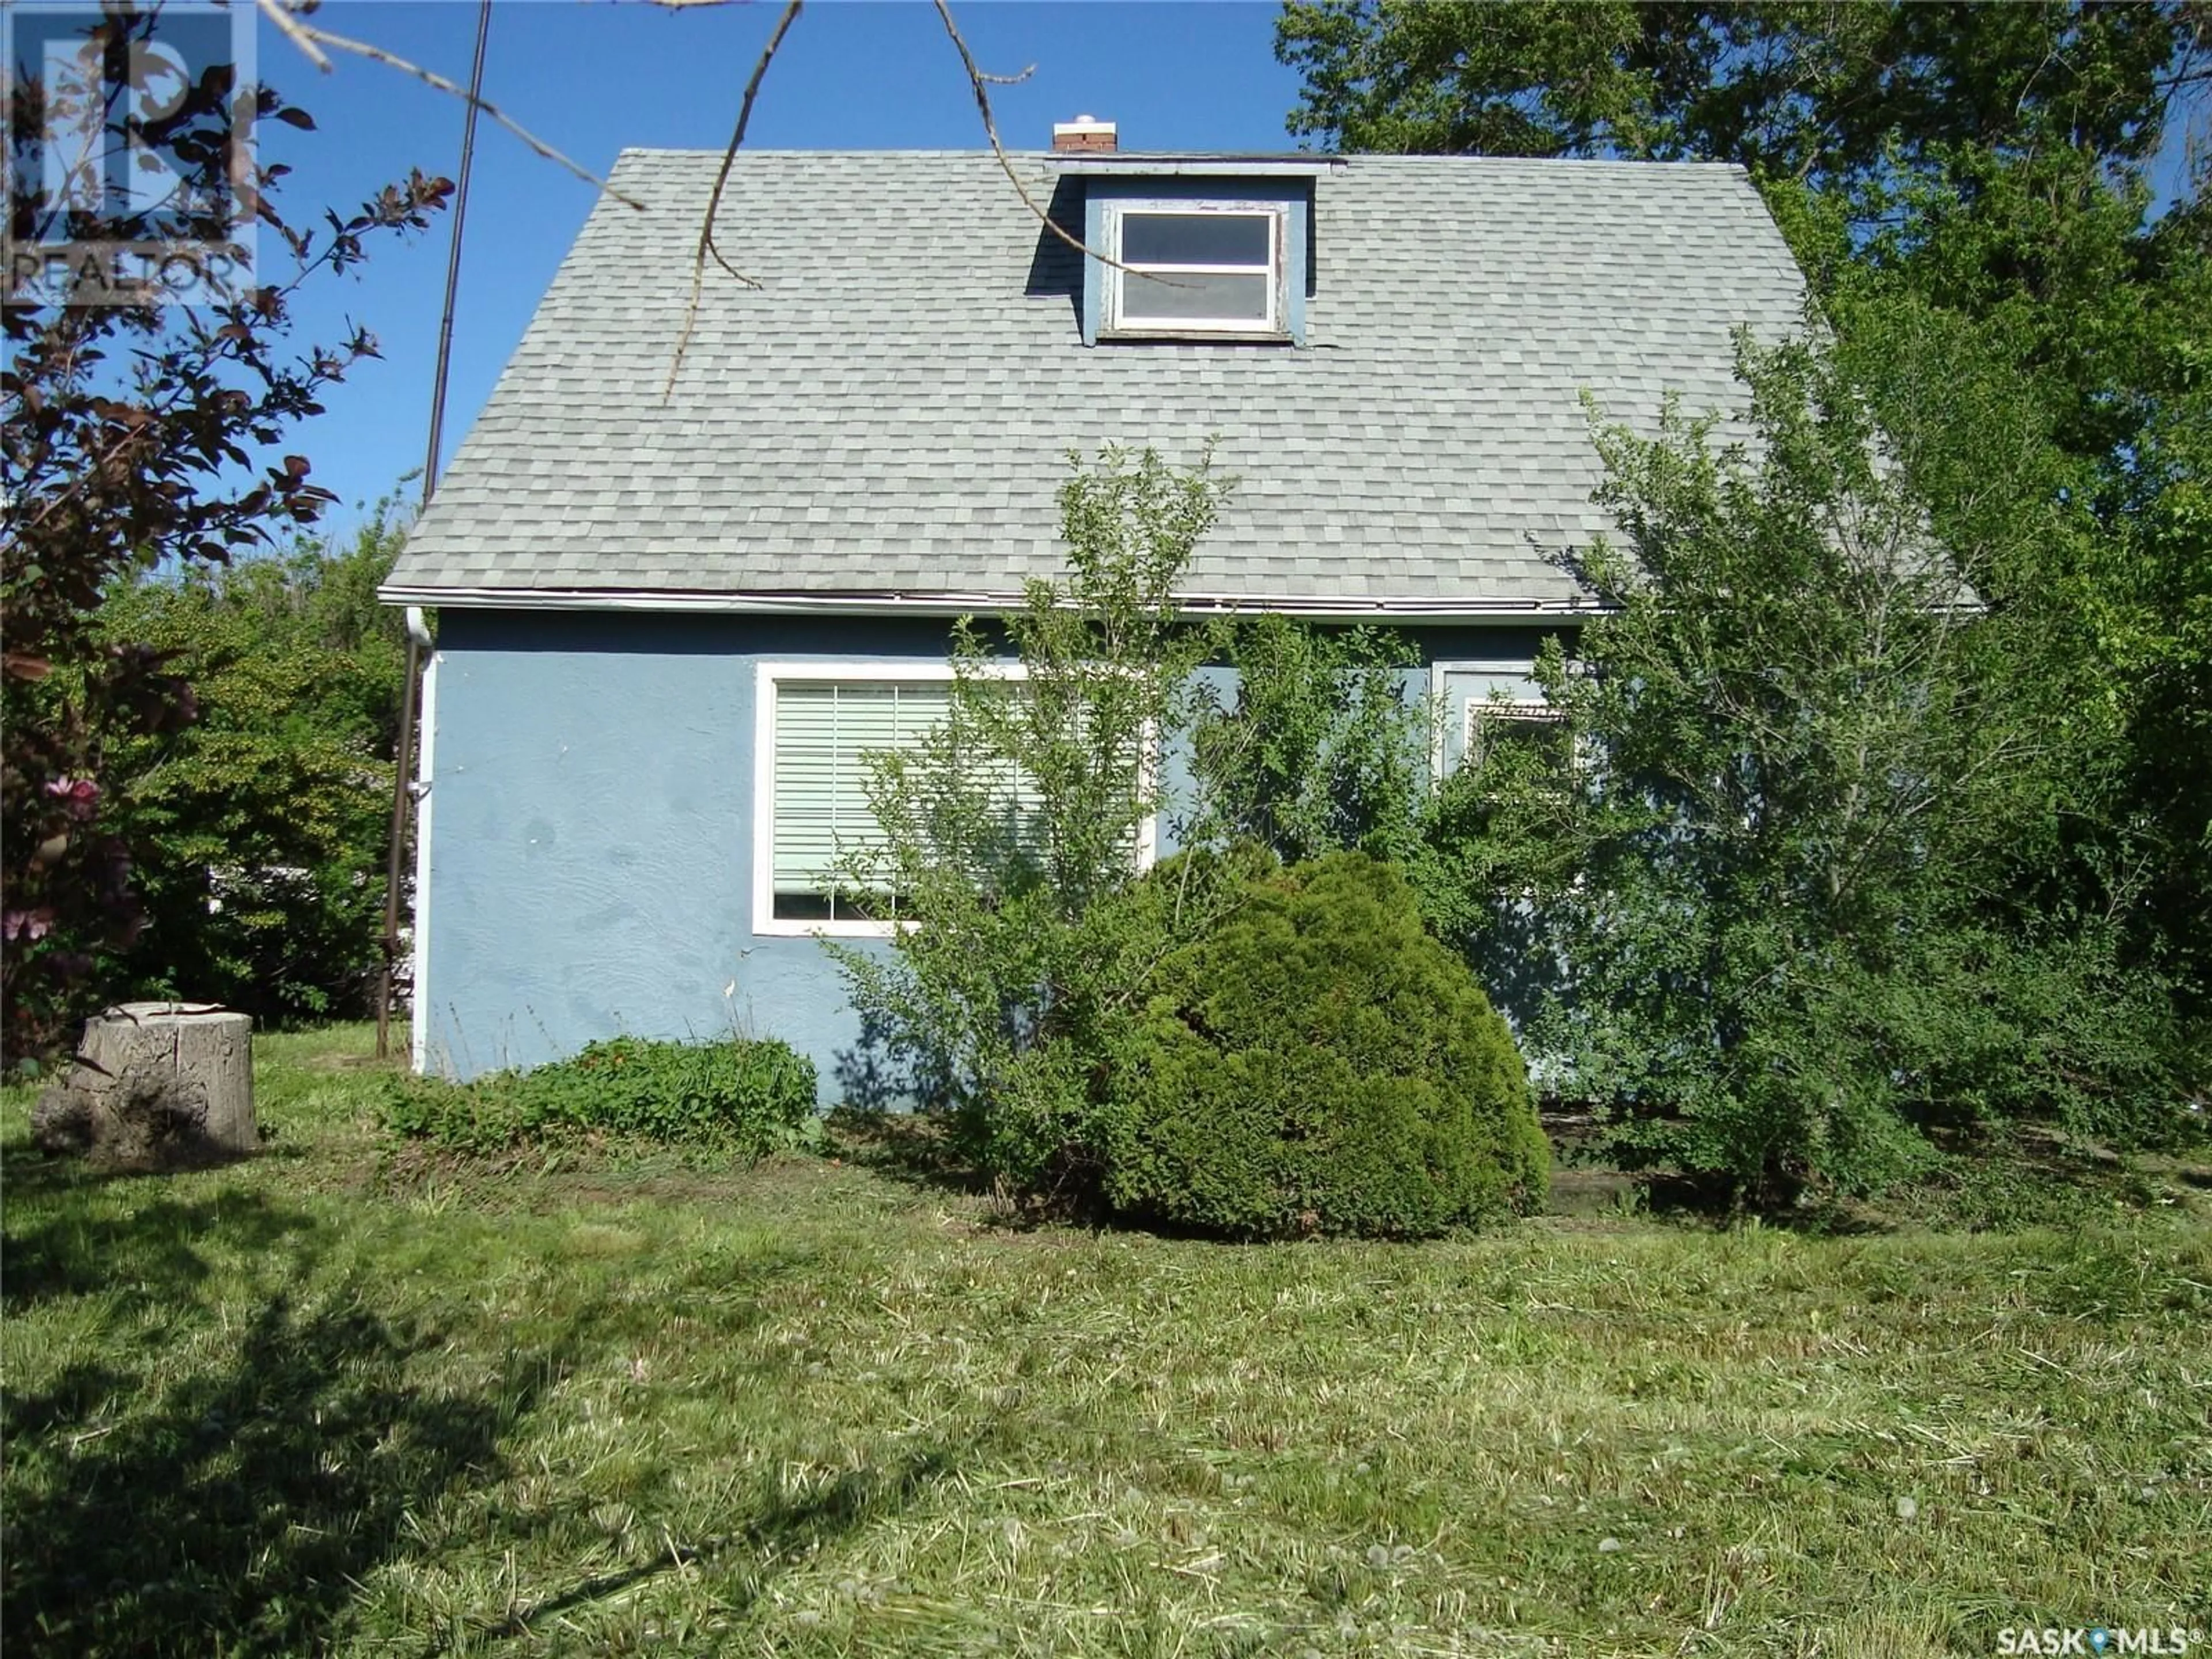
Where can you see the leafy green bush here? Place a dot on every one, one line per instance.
(1325, 745)
(1318, 1062)
(258, 831)
(1020, 999)
(1827, 877)
(746, 1098)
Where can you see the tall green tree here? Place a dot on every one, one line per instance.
(1994, 159)
(1011, 834)
(130, 441)
(1799, 873)
(259, 829)
(1976, 184)
(1835, 93)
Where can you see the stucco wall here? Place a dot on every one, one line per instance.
(589, 870)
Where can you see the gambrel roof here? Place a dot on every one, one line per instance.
(885, 419)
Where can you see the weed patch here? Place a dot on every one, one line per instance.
(741, 1097)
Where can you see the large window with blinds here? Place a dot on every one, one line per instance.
(824, 730)
(815, 734)
(816, 725)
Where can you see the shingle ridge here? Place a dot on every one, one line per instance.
(689, 152)
(1533, 163)
(1593, 162)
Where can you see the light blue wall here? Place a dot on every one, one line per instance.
(590, 832)
(591, 848)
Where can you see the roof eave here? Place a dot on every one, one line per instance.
(1311, 607)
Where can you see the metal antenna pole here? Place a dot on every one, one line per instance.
(403, 796)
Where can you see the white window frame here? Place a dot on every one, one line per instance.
(1275, 326)
(767, 677)
(1440, 669)
(1530, 710)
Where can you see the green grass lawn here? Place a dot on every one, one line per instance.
(330, 1402)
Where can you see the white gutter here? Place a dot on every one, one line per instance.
(1314, 607)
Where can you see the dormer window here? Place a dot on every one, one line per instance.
(1210, 248)
(1199, 268)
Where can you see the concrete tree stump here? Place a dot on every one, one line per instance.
(157, 1085)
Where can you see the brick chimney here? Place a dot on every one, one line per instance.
(1086, 133)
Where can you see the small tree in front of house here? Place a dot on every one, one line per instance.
(1011, 835)
(1055, 1002)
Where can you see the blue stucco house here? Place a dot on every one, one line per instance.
(676, 600)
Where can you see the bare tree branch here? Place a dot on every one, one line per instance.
(308, 37)
(281, 15)
(288, 16)
(721, 182)
(978, 80)
(981, 84)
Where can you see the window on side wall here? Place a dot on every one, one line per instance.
(1497, 728)
(817, 725)
(1202, 268)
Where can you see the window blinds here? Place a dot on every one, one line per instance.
(823, 731)
(823, 728)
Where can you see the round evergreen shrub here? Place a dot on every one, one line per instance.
(1318, 1063)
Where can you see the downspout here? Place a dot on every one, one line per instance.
(418, 632)
(421, 984)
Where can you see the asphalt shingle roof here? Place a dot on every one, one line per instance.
(892, 410)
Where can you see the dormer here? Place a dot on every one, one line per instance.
(1210, 249)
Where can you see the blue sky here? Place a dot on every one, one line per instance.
(593, 78)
